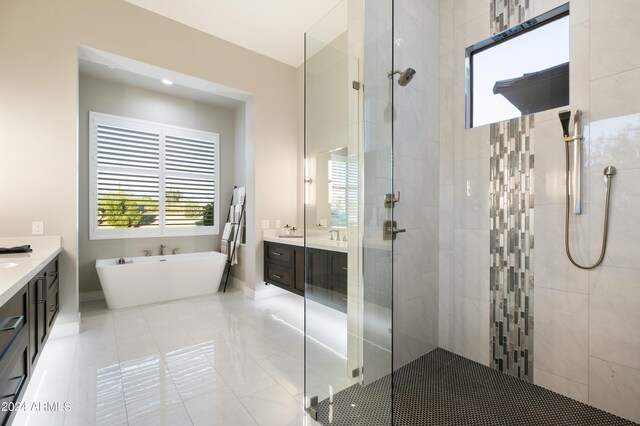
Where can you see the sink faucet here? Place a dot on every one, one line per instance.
(162, 249)
(337, 234)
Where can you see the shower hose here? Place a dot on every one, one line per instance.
(608, 172)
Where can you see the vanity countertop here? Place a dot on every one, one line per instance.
(316, 243)
(18, 269)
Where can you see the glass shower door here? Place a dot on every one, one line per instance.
(348, 208)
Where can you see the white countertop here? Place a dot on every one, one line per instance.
(18, 269)
(317, 243)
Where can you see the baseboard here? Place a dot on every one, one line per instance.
(249, 292)
(238, 283)
(67, 329)
(90, 296)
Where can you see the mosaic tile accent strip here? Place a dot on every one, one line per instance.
(508, 13)
(511, 239)
(442, 388)
(511, 231)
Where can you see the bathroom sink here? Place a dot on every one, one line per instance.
(290, 236)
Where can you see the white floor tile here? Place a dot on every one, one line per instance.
(220, 407)
(274, 406)
(222, 359)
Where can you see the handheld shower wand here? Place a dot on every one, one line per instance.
(572, 186)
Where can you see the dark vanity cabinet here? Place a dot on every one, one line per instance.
(327, 278)
(284, 266)
(337, 279)
(14, 347)
(326, 272)
(44, 306)
(25, 324)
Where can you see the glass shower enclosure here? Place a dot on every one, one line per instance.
(438, 289)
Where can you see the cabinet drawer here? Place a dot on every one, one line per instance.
(13, 318)
(14, 374)
(51, 274)
(338, 264)
(52, 306)
(274, 273)
(279, 253)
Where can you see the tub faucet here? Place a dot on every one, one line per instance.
(162, 249)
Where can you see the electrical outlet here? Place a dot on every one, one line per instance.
(278, 223)
(265, 223)
(37, 228)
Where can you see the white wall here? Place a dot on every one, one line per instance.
(99, 95)
(415, 171)
(39, 110)
(587, 338)
(586, 323)
(463, 212)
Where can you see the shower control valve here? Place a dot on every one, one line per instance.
(390, 230)
(390, 200)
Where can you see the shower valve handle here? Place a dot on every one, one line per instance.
(391, 230)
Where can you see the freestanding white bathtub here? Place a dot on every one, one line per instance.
(154, 279)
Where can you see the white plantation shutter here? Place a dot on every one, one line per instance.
(150, 179)
(343, 191)
(128, 162)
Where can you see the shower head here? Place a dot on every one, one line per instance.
(405, 76)
(565, 117)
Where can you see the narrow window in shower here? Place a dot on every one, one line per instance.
(519, 71)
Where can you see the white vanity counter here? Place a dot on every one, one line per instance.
(18, 269)
(319, 242)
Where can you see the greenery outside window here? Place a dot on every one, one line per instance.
(150, 179)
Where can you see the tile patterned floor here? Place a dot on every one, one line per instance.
(216, 360)
(445, 389)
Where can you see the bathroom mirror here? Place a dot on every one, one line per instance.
(336, 188)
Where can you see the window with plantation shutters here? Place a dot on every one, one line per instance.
(151, 179)
(343, 191)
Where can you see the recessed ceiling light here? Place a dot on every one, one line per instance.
(167, 82)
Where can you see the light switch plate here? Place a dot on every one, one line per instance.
(278, 223)
(37, 228)
(265, 223)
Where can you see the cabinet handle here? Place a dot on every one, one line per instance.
(17, 389)
(18, 320)
(40, 290)
(53, 309)
(344, 268)
(276, 276)
(275, 253)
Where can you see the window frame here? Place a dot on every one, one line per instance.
(506, 35)
(96, 233)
